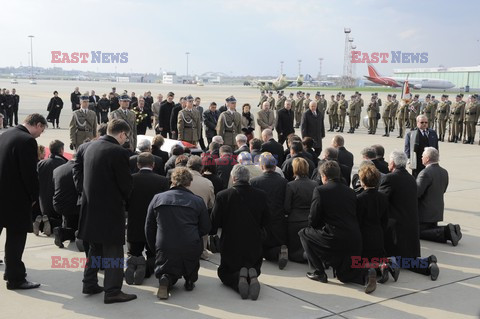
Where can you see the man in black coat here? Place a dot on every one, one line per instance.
(272, 146)
(107, 184)
(432, 183)
(242, 146)
(45, 168)
(275, 243)
(164, 115)
(174, 117)
(344, 156)
(145, 146)
(143, 116)
(402, 236)
(75, 99)
(285, 118)
(331, 154)
(225, 163)
(242, 213)
(19, 189)
(16, 102)
(210, 119)
(296, 150)
(312, 126)
(176, 221)
(333, 238)
(145, 185)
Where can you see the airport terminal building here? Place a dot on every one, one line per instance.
(463, 77)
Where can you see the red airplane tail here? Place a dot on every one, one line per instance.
(372, 72)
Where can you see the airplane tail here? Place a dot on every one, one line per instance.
(300, 80)
(372, 72)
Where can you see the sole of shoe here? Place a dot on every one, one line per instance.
(372, 281)
(458, 230)
(243, 286)
(384, 277)
(283, 257)
(453, 235)
(162, 292)
(434, 271)
(110, 301)
(139, 274)
(254, 290)
(47, 229)
(130, 274)
(36, 225)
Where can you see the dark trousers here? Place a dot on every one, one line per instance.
(295, 248)
(282, 138)
(113, 275)
(229, 278)
(202, 143)
(14, 247)
(10, 116)
(433, 232)
(15, 115)
(317, 150)
(136, 249)
(164, 134)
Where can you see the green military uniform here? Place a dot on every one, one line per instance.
(352, 115)
(322, 106)
(472, 112)
(393, 114)
(189, 126)
(442, 116)
(332, 114)
(372, 111)
(298, 111)
(306, 103)
(429, 112)
(413, 112)
(228, 126)
(456, 120)
(280, 103)
(401, 114)
(387, 111)
(131, 119)
(434, 125)
(82, 126)
(263, 98)
(360, 105)
(271, 100)
(342, 113)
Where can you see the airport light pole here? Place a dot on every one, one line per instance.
(320, 60)
(31, 54)
(299, 66)
(281, 67)
(187, 54)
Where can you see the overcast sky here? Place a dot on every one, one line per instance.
(244, 37)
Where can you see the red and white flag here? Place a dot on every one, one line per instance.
(406, 95)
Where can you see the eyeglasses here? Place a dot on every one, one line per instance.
(423, 122)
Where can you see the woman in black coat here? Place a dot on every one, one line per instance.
(209, 171)
(54, 108)
(298, 197)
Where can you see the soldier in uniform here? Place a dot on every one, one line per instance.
(414, 111)
(299, 109)
(292, 101)
(401, 115)
(83, 124)
(323, 104)
(443, 110)
(342, 112)
(352, 113)
(386, 115)
(360, 105)
(306, 102)
(456, 119)
(124, 113)
(280, 101)
(435, 105)
(429, 110)
(472, 111)
(393, 113)
(372, 111)
(189, 124)
(230, 123)
(332, 113)
(263, 98)
(462, 124)
(271, 100)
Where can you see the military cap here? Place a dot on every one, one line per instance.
(360, 94)
(263, 91)
(189, 97)
(299, 92)
(394, 95)
(376, 93)
(433, 96)
(444, 95)
(343, 95)
(373, 94)
(271, 92)
(282, 91)
(475, 96)
(389, 95)
(322, 94)
(317, 94)
(356, 92)
(232, 99)
(84, 97)
(124, 97)
(55, 92)
(428, 96)
(291, 93)
(308, 93)
(459, 95)
(114, 88)
(417, 96)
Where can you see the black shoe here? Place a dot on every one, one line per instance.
(399, 136)
(129, 273)
(164, 283)
(254, 289)
(453, 234)
(141, 269)
(22, 286)
(384, 273)
(434, 271)
(47, 228)
(119, 297)
(58, 237)
(189, 285)
(92, 290)
(371, 281)
(243, 286)
(458, 231)
(318, 276)
(283, 257)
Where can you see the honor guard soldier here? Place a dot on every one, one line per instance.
(393, 112)
(456, 119)
(342, 112)
(189, 125)
(280, 101)
(429, 111)
(298, 109)
(443, 110)
(401, 116)
(83, 124)
(372, 111)
(128, 116)
(352, 113)
(414, 111)
(263, 98)
(361, 103)
(332, 113)
(292, 101)
(271, 100)
(472, 112)
(323, 104)
(306, 102)
(386, 115)
(230, 123)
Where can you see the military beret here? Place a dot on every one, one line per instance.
(84, 97)
(444, 95)
(428, 96)
(189, 97)
(360, 94)
(232, 99)
(124, 97)
(475, 96)
(343, 95)
(356, 92)
(271, 92)
(376, 93)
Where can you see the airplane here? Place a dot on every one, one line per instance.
(309, 80)
(279, 83)
(416, 83)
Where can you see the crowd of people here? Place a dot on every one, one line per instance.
(246, 198)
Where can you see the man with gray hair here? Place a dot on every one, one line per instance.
(145, 145)
(272, 146)
(241, 140)
(242, 213)
(245, 159)
(432, 183)
(402, 235)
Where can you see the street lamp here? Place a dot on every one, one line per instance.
(187, 54)
(299, 67)
(31, 54)
(281, 67)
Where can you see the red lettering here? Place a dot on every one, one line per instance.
(66, 58)
(74, 58)
(83, 262)
(374, 57)
(56, 261)
(74, 263)
(84, 56)
(365, 58)
(65, 263)
(355, 58)
(384, 56)
(55, 58)
(355, 261)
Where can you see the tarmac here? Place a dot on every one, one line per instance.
(284, 293)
